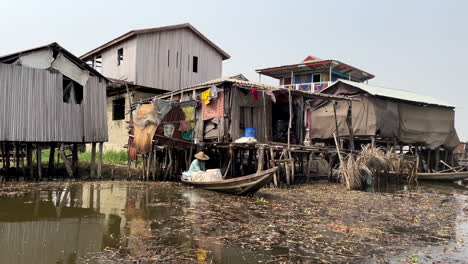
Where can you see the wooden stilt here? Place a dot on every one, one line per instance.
(287, 167)
(429, 160)
(149, 162)
(7, 156)
(275, 176)
(293, 166)
(437, 158)
(39, 161)
(51, 167)
(260, 158)
(93, 160)
(65, 160)
(30, 160)
(99, 167)
(74, 163)
(17, 159)
(153, 172)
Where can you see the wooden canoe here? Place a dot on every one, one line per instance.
(244, 185)
(443, 176)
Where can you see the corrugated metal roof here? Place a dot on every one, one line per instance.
(393, 93)
(242, 82)
(155, 29)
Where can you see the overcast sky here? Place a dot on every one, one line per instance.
(420, 46)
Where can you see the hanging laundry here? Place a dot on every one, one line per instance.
(187, 135)
(213, 92)
(255, 94)
(168, 130)
(271, 94)
(163, 107)
(214, 109)
(205, 96)
(189, 112)
(185, 125)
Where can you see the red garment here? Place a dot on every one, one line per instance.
(255, 94)
(215, 108)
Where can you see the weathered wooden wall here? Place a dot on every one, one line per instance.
(153, 70)
(124, 71)
(32, 108)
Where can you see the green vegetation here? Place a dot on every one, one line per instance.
(108, 157)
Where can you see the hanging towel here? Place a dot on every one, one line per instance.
(271, 94)
(185, 125)
(255, 94)
(168, 130)
(189, 112)
(205, 96)
(187, 135)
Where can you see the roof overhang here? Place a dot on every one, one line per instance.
(10, 58)
(316, 66)
(133, 33)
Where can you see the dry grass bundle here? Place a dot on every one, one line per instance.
(375, 161)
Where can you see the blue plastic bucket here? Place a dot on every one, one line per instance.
(250, 132)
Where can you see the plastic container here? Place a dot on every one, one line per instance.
(250, 132)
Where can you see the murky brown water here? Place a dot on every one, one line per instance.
(69, 224)
(73, 223)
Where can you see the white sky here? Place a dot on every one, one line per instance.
(420, 46)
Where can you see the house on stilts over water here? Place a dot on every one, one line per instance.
(215, 117)
(295, 123)
(50, 99)
(148, 62)
(390, 118)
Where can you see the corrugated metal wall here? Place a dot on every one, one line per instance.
(124, 71)
(32, 108)
(158, 68)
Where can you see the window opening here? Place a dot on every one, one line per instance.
(72, 91)
(119, 56)
(316, 78)
(118, 109)
(195, 64)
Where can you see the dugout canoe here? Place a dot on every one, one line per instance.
(443, 176)
(244, 185)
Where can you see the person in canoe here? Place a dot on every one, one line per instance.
(198, 172)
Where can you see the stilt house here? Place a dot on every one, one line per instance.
(214, 116)
(49, 98)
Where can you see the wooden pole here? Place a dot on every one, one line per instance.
(437, 157)
(39, 161)
(29, 160)
(93, 160)
(17, 159)
(99, 167)
(65, 160)
(428, 160)
(260, 158)
(275, 176)
(74, 164)
(349, 122)
(51, 167)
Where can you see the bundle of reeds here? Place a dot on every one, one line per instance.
(373, 162)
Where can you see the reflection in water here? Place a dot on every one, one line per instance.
(66, 225)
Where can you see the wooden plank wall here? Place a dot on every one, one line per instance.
(126, 70)
(32, 108)
(152, 67)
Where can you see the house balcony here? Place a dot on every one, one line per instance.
(310, 87)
